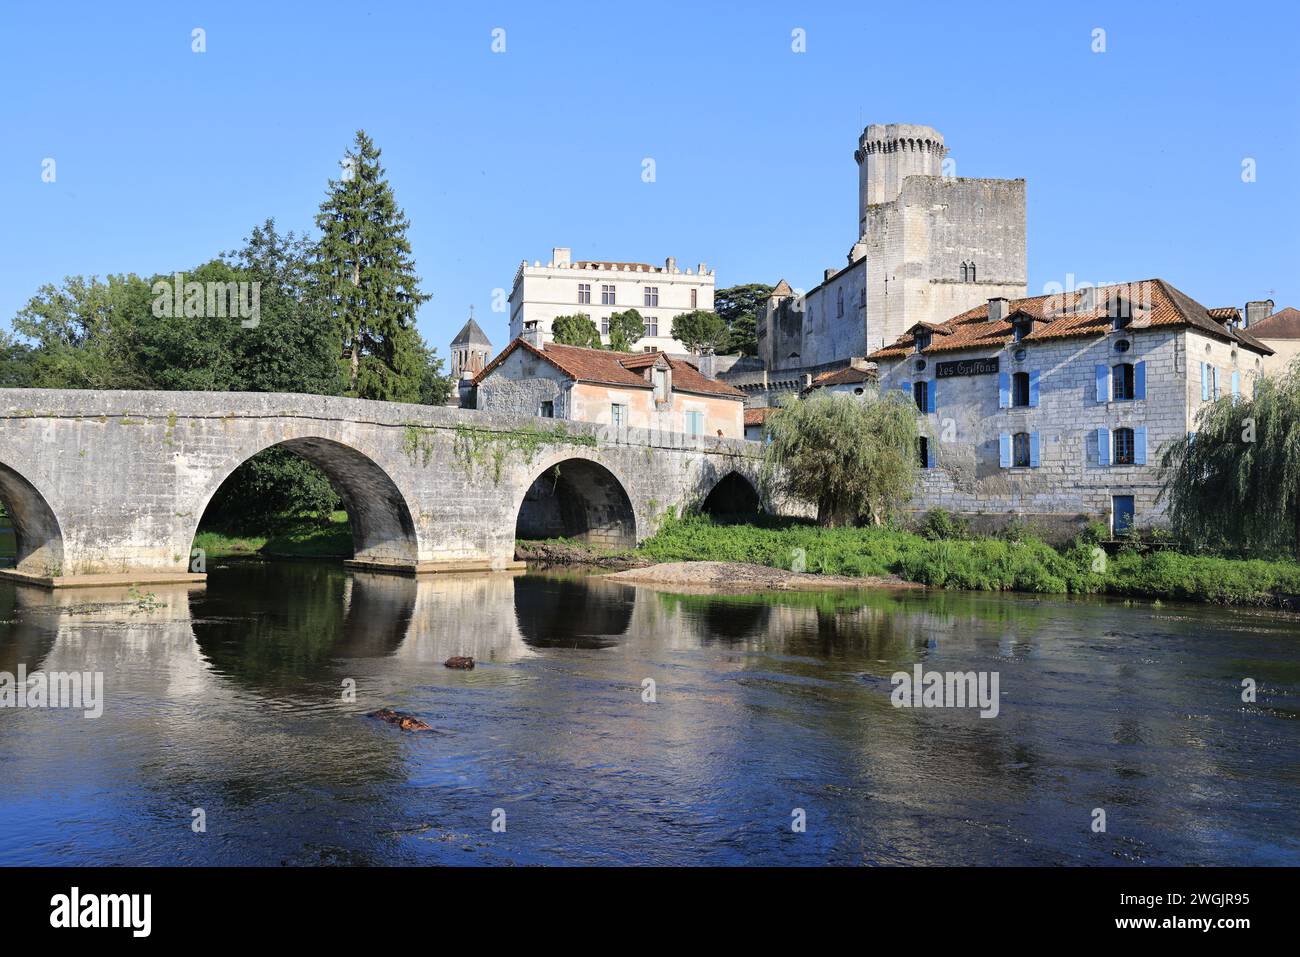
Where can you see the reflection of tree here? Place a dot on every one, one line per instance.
(26, 636)
(286, 628)
(566, 613)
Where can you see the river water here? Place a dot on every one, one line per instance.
(228, 706)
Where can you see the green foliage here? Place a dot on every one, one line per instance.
(272, 488)
(939, 523)
(1238, 481)
(850, 457)
(625, 328)
(435, 385)
(980, 564)
(367, 275)
(701, 331)
(477, 447)
(576, 330)
(739, 307)
(15, 363)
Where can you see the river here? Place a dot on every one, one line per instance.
(227, 707)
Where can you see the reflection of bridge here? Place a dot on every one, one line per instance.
(115, 483)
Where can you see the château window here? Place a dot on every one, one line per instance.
(547, 409)
(1020, 450)
(604, 326)
(1122, 381)
(921, 392)
(607, 295)
(651, 325)
(693, 293)
(1123, 446)
(652, 296)
(584, 293)
(1020, 389)
(618, 415)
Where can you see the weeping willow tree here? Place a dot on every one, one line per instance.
(1236, 480)
(849, 456)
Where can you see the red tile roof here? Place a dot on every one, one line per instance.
(1283, 324)
(1152, 302)
(616, 368)
(757, 416)
(848, 375)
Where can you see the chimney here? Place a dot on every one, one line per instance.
(1257, 310)
(1087, 299)
(807, 380)
(998, 309)
(827, 273)
(858, 362)
(532, 334)
(560, 256)
(708, 365)
(699, 270)
(670, 264)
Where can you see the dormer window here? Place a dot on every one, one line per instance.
(922, 339)
(661, 383)
(1021, 329)
(1120, 311)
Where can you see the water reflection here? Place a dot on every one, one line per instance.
(248, 699)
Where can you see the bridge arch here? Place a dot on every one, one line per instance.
(38, 536)
(732, 496)
(577, 498)
(378, 514)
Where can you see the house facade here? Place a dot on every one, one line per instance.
(1054, 408)
(647, 390)
(1281, 333)
(598, 289)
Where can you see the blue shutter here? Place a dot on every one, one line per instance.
(930, 391)
(1004, 450)
(1236, 384)
(1103, 446)
(1140, 445)
(1033, 389)
(1205, 382)
(905, 387)
(1191, 437)
(1103, 383)
(1004, 390)
(929, 454)
(1033, 450)
(1140, 380)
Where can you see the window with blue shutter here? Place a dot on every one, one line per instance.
(1103, 382)
(1236, 384)
(1140, 445)
(1004, 390)
(1103, 446)
(1139, 380)
(1033, 390)
(930, 400)
(929, 454)
(1033, 450)
(1205, 382)
(1214, 377)
(906, 388)
(1004, 450)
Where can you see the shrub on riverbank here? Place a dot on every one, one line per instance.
(1022, 563)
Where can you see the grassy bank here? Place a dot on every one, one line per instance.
(304, 539)
(1022, 563)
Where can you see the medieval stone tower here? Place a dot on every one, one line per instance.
(929, 245)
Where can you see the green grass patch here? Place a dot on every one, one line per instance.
(1019, 563)
(306, 537)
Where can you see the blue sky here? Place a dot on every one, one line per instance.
(165, 157)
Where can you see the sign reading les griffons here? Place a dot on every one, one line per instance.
(946, 370)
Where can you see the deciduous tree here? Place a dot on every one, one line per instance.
(576, 330)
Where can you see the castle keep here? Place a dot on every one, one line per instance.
(927, 245)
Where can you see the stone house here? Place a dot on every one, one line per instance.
(1055, 408)
(645, 390)
(1281, 333)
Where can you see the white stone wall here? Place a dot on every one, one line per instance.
(1069, 482)
(542, 292)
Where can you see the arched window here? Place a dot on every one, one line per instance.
(921, 392)
(972, 271)
(1020, 389)
(964, 270)
(1122, 381)
(1123, 447)
(1020, 450)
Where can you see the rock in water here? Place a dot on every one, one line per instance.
(407, 722)
(460, 661)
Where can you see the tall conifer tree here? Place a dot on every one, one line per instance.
(368, 276)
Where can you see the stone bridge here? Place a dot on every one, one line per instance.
(111, 486)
